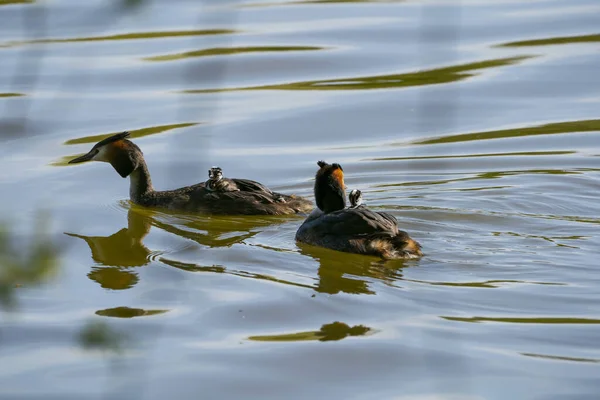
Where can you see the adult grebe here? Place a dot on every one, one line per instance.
(248, 197)
(353, 230)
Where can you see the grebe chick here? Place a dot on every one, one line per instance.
(355, 198)
(216, 182)
(353, 230)
(250, 198)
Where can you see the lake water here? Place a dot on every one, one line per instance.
(476, 123)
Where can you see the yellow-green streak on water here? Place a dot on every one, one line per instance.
(5, 2)
(429, 77)
(11, 94)
(136, 133)
(554, 40)
(128, 36)
(590, 125)
(516, 320)
(222, 51)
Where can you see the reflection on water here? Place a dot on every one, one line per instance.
(116, 254)
(561, 358)
(5, 2)
(127, 36)
(26, 266)
(128, 312)
(554, 41)
(346, 273)
(222, 51)
(135, 133)
(328, 332)
(517, 320)
(101, 336)
(119, 251)
(506, 299)
(591, 125)
(429, 77)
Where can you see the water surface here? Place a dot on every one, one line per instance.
(475, 123)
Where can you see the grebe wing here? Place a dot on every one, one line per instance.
(246, 185)
(357, 222)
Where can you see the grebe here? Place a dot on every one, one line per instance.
(216, 182)
(355, 198)
(353, 230)
(250, 198)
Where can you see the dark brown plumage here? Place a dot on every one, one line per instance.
(252, 198)
(353, 230)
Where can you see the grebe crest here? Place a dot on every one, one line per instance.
(355, 198)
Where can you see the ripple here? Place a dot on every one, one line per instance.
(128, 312)
(222, 51)
(7, 2)
(562, 358)
(530, 320)
(136, 133)
(590, 125)
(127, 36)
(554, 41)
(11, 94)
(427, 77)
(328, 332)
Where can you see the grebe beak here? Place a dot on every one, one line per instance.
(85, 157)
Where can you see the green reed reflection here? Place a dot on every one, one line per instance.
(554, 40)
(328, 332)
(136, 133)
(98, 335)
(5, 2)
(222, 51)
(484, 155)
(127, 312)
(427, 77)
(590, 125)
(493, 283)
(11, 95)
(561, 358)
(31, 264)
(128, 36)
(532, 320)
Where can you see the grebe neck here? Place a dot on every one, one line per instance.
(140, 184)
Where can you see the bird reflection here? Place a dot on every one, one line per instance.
(118, 253)
(348, 273)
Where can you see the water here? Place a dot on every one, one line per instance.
(475, 123)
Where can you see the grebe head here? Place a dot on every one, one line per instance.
(122, 154)
(215, 174)
(330, 188)
(355, 198)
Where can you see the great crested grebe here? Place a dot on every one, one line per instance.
(217, 183)
(355, 198)
(353, 230)
(248, 198)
